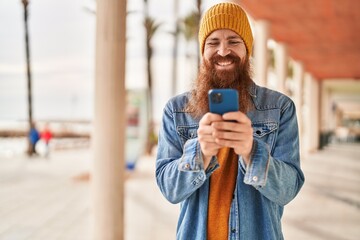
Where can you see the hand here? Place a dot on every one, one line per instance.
(207, 141)
(234, 131)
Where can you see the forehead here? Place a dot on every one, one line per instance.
(223, 33)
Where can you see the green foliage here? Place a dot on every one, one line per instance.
(151, 27)
(189, 25)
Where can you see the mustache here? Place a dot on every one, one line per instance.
(230, 57)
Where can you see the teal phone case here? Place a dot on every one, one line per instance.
(223, 100)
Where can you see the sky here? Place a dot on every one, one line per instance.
(62, 55)
(62, 51)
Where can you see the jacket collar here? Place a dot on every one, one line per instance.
(252, 89)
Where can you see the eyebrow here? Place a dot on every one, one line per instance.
(228, 38)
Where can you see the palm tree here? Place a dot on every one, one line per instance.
(175, 48)
(28, 69)
(198, 8)
(151, 27)
(190, 27)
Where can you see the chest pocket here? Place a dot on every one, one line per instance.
(265, 132)
(187, 132)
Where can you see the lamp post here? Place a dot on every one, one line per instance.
(28, 69)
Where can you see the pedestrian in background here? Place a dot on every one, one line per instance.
(46, 136)
(33, 137)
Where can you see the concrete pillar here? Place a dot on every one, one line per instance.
(311, 123)
(261, 52)
(281, 66)
(328, 113)
(109, 122)
(314, 114)
(298, 78)
(328, 122)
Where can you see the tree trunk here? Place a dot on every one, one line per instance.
(150, 135)
(28, 72)
(175, 48)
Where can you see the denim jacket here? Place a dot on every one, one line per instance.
(272, 179)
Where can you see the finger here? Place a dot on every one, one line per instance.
(231, 136)
(206, 139)
(240, 147)
(232, 127)
(205, 129)
(208, 118)
(236, 116)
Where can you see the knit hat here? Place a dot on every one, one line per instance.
(226, 16)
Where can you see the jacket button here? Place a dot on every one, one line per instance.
(255, 178)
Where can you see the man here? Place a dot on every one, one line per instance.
(233, 173)
(34, 137)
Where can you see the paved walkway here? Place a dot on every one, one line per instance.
(44, 199)
(328, 206)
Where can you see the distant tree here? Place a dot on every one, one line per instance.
(190, 27)
(28, 69)
(151, 27)
(198, 8)
(175, 48)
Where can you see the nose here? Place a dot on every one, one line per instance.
(223, 50)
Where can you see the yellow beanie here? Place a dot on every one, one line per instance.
(226, 15)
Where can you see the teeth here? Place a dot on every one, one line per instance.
(224, 63)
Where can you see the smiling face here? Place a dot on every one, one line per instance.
(224, 49)
(224, 65)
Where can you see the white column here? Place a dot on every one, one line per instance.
(261, 52)
(314, 114)
(311, 114)
(281, 66)
(298, 77)
(109, 122)
(328, 116)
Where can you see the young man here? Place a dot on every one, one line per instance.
(233, 173)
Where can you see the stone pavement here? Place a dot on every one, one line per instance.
(328, 206)
(49, 199)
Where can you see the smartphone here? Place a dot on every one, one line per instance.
(223, 100)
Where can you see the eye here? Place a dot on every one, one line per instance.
(212, 43)
(235, 42)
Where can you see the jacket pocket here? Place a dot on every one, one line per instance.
(265, 132)
(187, 132)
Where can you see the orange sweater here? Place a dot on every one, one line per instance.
(222, 186)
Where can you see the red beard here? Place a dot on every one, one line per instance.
(209, 77)
(222, 77)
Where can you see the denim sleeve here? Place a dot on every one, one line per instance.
(276, 172)
(256, 172)
(174, 184)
